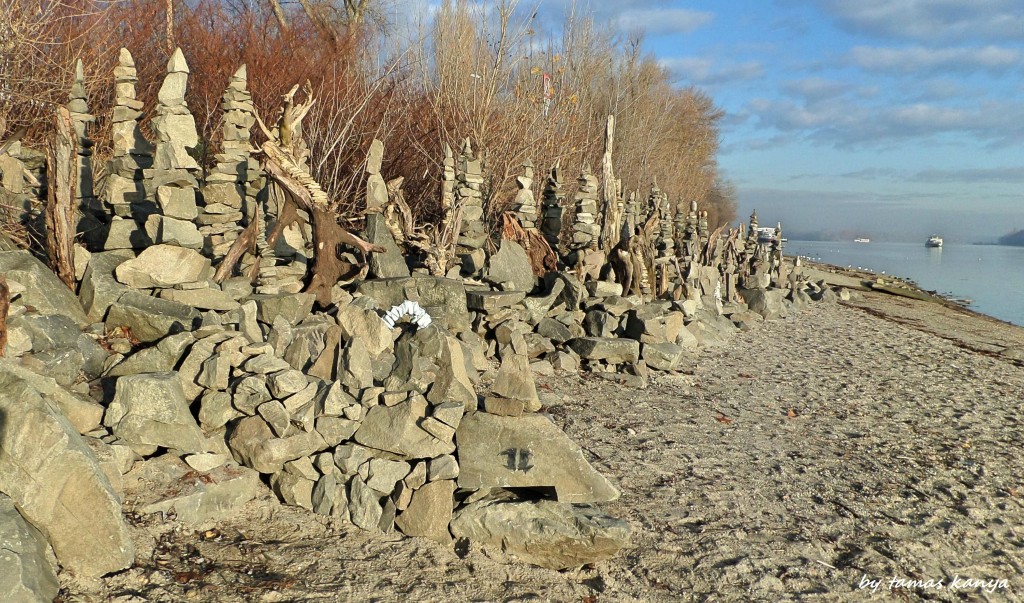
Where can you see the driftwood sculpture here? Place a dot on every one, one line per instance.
(5, 304)
(542, 257)
(62, 170)
(632, 260)
(436, 243)
(284, 155)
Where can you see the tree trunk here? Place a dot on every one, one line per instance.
(170, 26)
(282, 22)
(5, 304)
(61, 175)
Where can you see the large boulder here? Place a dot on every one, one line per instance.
(429, 512)
(166, 483)
(544, 533)
(84, 414)
(27, 565)
(163, 266)
(526, 452)
(510, 268)
(100, 289)
(43, 290)
(53, 477)
(391, 263)
(610, 349)
(769, 303)
(150, 411)
(150, 318)
(444, 299)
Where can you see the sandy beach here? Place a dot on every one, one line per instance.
(868, 450)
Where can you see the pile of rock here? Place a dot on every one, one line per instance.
(468, 194)
(229, 192)
(132, 153)
(524, 204)
(585, 229)
(553, 206)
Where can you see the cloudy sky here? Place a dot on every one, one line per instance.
(886, 118)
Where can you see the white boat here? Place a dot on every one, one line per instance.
(862, 240)
(934, 241)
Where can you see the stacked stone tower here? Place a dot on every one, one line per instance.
(524, 203)
(553, 207)
(585, 229)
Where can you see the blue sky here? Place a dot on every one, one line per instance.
(884, 118)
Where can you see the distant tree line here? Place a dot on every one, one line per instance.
(1015, 239)
(487, 71)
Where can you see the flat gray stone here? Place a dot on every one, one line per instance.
(391, 263)
(167, 484)
(99, 289)
(511, 266)
(150, 410)
(163, 266)
(525, 452)
(545, 533)
(443, 298)
(429, 512)
(395, 429)
(610, 349)
(150, 318)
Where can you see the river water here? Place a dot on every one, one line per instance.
(992, 276)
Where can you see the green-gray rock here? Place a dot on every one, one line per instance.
(545, 533)
(526, 452)
(27, 565)
(53, 476)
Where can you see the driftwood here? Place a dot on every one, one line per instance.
(284, 155)
(542, 258)
(611, 228)
(62, 176)
(246, 242)
(5, 304)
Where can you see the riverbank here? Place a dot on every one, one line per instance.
(877, 445)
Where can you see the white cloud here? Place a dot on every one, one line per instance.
(705, 71)
(931, 19)
(916, 59)
(662, 21)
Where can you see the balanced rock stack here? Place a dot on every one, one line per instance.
(524, 203)
(553, 206)
(376, 189)
(229, 194)
(78, 107)
(473, 233)
(173, 177)
(585, 229)
(132, 153)
(665, 240)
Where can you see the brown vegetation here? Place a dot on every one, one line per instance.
(477, 71)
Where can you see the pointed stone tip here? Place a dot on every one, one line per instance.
(242, 73)
(124, 57)
(177, 63)
(79, 71)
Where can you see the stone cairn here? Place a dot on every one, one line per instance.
(524, 204)
(376, 188)
(78, 107)
(174, 176)
(585, 229)
(230, 190)
(553, 205)
(469, 196)
(124, 191)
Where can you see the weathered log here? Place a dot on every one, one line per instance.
(246, 242)
(5, 304)
(61, 174)
(328, 267)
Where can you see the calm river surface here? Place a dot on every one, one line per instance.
(990, 275)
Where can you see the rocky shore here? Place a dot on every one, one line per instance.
(874, 454)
